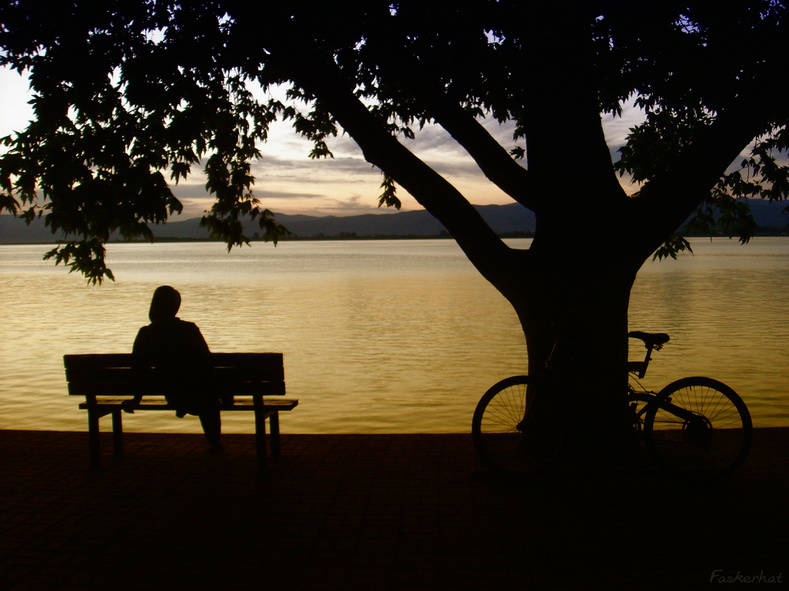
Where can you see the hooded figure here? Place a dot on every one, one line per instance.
(178, 349)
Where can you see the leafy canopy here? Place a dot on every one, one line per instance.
(129, 96)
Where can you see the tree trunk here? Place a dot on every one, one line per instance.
(573, 304)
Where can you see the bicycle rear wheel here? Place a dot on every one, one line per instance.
(699, 427)
(503, 434)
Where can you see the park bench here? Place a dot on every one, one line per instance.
(255, 380)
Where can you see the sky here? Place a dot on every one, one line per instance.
(288, 182)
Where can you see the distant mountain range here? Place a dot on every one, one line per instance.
(506, 220)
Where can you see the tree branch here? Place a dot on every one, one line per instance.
(667, 200)
(318, 74)
(494, 161)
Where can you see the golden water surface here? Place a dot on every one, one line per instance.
(378, 336)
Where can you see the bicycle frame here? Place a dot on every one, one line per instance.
(652, 399)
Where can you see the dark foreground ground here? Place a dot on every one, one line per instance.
(376, 512)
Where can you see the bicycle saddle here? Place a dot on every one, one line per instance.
(651, 339)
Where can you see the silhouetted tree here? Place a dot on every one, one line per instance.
(127, 92)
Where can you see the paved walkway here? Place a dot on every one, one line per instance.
(375, 512)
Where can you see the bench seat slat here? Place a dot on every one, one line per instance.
(274, 404)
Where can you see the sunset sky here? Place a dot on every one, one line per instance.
(289, 182)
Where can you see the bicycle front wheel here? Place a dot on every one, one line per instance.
(698, 427)
(506, 438)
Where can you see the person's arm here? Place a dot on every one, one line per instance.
(198, 342)
(138, 362)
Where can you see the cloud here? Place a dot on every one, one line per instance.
(617, 128)
(287, 180)
(15, 112)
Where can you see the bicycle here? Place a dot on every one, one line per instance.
(695, 427)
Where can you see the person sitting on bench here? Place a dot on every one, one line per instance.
(178, 349)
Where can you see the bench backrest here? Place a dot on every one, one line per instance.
(112, 374)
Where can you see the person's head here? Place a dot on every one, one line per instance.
(164, 304)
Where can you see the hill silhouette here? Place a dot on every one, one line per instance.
(506, 220)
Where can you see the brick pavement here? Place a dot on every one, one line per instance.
(373, 512)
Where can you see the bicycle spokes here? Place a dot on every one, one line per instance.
(510, 439)
(698, 427)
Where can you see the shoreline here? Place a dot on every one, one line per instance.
(361, 238)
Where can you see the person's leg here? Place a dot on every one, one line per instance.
(211, 421)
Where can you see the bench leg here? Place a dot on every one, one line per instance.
(93, 439)
(117, 432)
(260, 438)
(273, 422)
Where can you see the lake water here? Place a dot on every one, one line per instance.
(378, 336)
